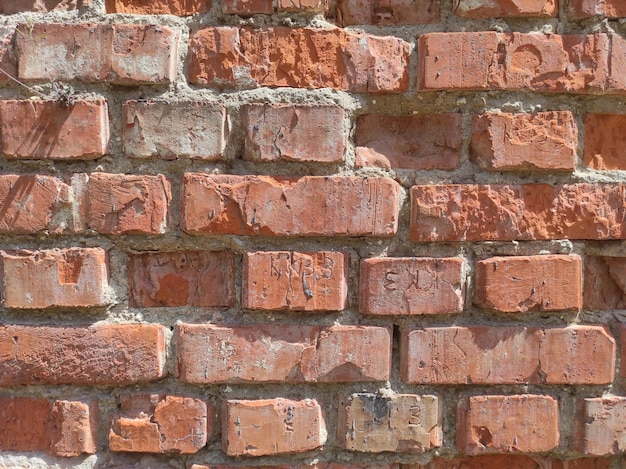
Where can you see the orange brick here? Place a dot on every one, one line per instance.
(220, 354)
(75, 277)
(11, 7)
(505, 424)
(506, 8)
(295, 281)
(587, 8)
(604, 141)
(98, 355)
(271, 426)
(273, 206)
(248, 7)
(411, 286)
(604, 285)
(302, 5)
(158, 7)
(387, 12)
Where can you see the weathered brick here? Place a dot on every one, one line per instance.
(125, 204)
(507, 355)
(587, 8)
(539, 62)
(518, 284)
(281, 206)
(124, 54)
(158, 7)
(11, 7)
(506, 8)
(604, 141)
(409, 142)
(605, 283)
(275, 353)
(248, 7)
(299, 58)
(61, 428)
(600, 426)
(75, 277)
(187, 278)
(302, 5)
(387, 12)
(514, 142)
(469, 212)
(301, 465)
(411, 286)
(34, 203)
(622, 340)
(97, 355)
(508, 461)
(174, 130)
(8, 61)
(295, 281)
(46, 129)
(152, 423)
(271, 426)
(298, 133)
(505, 424)
(375, 423)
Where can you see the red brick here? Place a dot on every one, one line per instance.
(295, 281)
(248, 7)
(409, 142)
(75, 277)
(174, 130)
(187, 278)
(513, 142)
(468, 212)
(126, 204)
(275, 353)
(47, 129)
(600, 426)
(387, 12)
(281, 206)
(622, 340)
(412, 286)
(492, 461)
(124, 54)
(375, 423)
(60, 428)
(506, 424)
(605, 283)
(538, 62)
(298, 58)
(8, 61)
(507, 355)
(604, 141)
(506, 8)
(158, 7)
(302, 5)
(34, 203)
(11, 7)
(300, 465)
(271, 426)
(587, 8)
(298, 133)
(519, 284)
(96, 355)
(152, 423)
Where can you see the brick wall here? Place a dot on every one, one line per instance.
(312, 234)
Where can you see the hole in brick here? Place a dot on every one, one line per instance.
(70, 267)
(484, 436)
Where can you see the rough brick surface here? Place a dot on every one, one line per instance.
(298, 133)
(411, 286)
(399, 423)
(387, 12)
(174, 130)
(158, 7)
(11, 7)
(507, 355)
(605, 283)
(491, 461)
(61, 428)
(295, 281)
(504, 424)
(353, 206)
(601, 426)
(187, 278)
(271, 426)
(412, 142)
(125, 54)
(468, 212)
(539, 62)
(97, 355)
(302, 5)
(513, 142)
(587, 8)
(75, 277)
(273, 353)
(506, 8)
(152, 423)
(529, 283)
(248, 7)
(299, 58)
(604, 141)
(8, 61)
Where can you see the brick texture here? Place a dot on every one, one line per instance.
(159, 7)
(11, 7)
(601, 430)
(383, 13)
(604, 286)
(604, 141)
(506, 8)
(588, 8)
